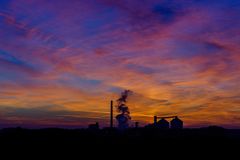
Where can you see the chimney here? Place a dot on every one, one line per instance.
(111, 114)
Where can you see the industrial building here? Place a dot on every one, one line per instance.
(175, 123)
(159, 122)
(162, 124)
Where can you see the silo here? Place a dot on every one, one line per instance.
(176, 123)
(163, 124)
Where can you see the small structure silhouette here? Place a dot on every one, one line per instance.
(163, 124)
(136, 124)
(176, 123)
(93, 126)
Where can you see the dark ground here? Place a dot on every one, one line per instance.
(213, 140)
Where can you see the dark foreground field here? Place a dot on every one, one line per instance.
(138, 141)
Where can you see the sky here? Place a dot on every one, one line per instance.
(62, 61)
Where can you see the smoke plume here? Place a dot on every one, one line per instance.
(124, 116)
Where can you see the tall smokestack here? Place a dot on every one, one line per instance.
(111, 114)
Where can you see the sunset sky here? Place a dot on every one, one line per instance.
(62, 61)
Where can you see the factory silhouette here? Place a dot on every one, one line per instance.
(164, 134)
(123, 118)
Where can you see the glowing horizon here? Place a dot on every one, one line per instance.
(62, 61)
